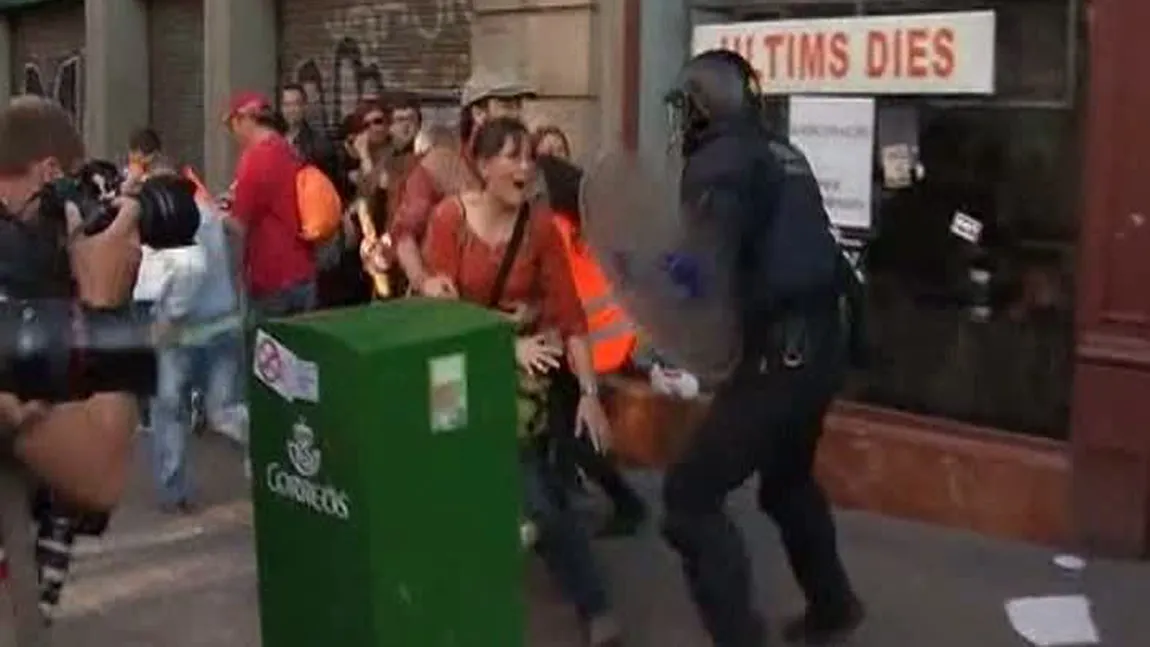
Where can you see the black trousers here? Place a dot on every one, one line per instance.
(572, 452)
(765, 420)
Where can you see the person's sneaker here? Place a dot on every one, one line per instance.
(816, 629)
(183, 507)
(604, 631)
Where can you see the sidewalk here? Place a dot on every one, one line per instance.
(171, 582)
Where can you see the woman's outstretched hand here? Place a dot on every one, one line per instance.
(591, 420)
(536, 355)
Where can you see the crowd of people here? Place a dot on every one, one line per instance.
(488, 214)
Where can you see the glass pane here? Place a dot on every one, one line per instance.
(977, 328)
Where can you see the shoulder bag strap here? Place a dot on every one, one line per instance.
(509, 255)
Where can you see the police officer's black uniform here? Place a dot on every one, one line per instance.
(767, 417)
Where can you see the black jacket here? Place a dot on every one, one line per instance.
(760, 189)
(315, 147)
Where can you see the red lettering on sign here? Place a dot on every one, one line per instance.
(839, 59)
(876, 54)
(898, 56)
(806, 55)
(943, 64)
(917, 54)
(772, 42)
(812, 56)
(791, 56)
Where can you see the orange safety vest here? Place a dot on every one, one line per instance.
(610, 332)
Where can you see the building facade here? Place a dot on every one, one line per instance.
(120, 64)
(1008, 388)
(1016, 405)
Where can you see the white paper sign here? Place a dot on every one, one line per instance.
(837, 136)
(966, 227)
(929, 53)
(306, 381)
(282, 371)
(1054, 621)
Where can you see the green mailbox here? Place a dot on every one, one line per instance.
(385, 478)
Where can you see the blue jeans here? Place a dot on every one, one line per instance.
(214, 368)
(563, 545)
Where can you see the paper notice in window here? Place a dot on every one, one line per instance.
(966, 227)
(897, 166)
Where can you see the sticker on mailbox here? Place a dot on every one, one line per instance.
(448, 392)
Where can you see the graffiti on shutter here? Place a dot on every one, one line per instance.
(420, 46)
(63, 81)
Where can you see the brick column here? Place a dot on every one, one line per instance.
(115, 73)
(240, 46)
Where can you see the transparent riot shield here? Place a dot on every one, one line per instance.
(670, 265)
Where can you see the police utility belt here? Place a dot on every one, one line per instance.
(789, 337)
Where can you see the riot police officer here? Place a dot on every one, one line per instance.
(766, 418)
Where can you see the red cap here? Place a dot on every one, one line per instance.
(246, 102)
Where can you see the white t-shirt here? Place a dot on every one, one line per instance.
(171, 279)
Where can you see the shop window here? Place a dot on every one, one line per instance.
(976, 328)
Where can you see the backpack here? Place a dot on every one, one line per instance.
(320, 207)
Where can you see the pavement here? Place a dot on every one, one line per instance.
(158, 580)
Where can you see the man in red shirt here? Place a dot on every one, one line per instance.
(279, 264)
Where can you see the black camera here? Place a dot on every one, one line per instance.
(169, 215)
(52, 348)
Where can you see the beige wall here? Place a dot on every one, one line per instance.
(569, 50)
(176, 59)
(239, 54)
(116, 88)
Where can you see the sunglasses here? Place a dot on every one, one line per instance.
(378, 121)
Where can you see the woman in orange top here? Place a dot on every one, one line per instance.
(469, 237)
(611, 332)
(612, 342)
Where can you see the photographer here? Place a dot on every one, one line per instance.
(73, 434)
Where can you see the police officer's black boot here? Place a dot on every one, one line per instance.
(817, 627)
(808, 533)
(717, 570)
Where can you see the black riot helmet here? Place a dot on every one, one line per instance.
(717, 85)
